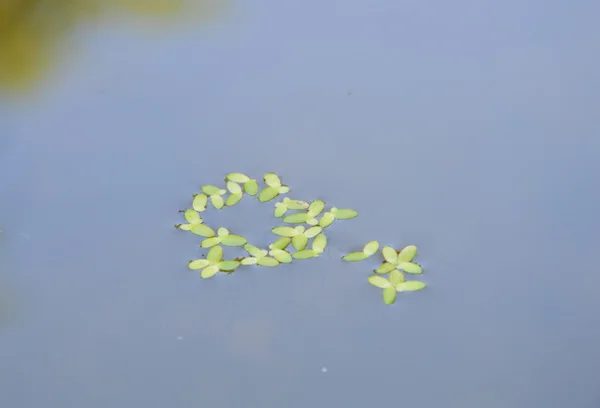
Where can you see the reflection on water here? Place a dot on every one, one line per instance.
(33, 33)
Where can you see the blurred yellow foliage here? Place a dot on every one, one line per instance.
(32, 31)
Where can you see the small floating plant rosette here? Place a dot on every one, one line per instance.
(304, 237)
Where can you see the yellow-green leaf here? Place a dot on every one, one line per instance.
(217, 201)
(233, 199)
(228, 266)
(355, 257)
(281, 255)
(185, 227)
(234, 188)
(211, 190)
(215, 255)
(272, 180)
(390, 255)
(192, 217)
(285, 231)
(209, 271)
(202, 230)
(199, 202)
(379, 282)
(319, 243)
(280, 210)
(248, 261)
(313, 232)
(251, 187)
(344, 213)
(252, 250)
(297, 218)
(305, 254)
(267, 261)
(407, 254)
(326, 220)
(237, 178)
(222, 232)
(411, 268)
(410, 286)
(385, 267)
(283, 189)
(210, 242)
(389, 295)
(371, 248)
(299, 242)
(198, 264)
(295, 204)
(316, 207)
(268, 194)
(233, 240)
(281, 243)
(396, 277)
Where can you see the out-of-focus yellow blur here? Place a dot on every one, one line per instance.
(33, 32)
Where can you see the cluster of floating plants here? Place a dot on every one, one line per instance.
(305, 240)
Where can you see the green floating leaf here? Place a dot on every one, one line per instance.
(202, 230)
(233, 199)
(212, 190)
(209, 271)
(411, 268)
(198, 264)
(297, 218)
(313, 232)
(315, 208)
(192, 217)
(222, 232)
(281, 243)
(371, 248)
(215, 255)
(233, 240)
(251, 187)
(280, 210)
(285, 231)
(326, 220)
(355, 257)
(410, 286)
(234, 188)
(254, 251)
(249, 261)
(185, 227)
(228, 266)
(272, 180)
(389, 295)
(217, 201)
(267, 261)
(385, 267)
(379, 282)
(299, 242)
(199, 202)
(407, 254)
(390, 255)
(210, 242)
(268, 194)
(305, 254)
(283, 189)
(237, 178)
(396, 277)
(281, 255)
(319, 243)
(312, 222)
(295, 204)
(343, 213)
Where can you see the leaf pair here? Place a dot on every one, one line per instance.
(273, 189)
(225, 238)
(195, 225)
(399, 260)
(213, 263)
(215, 194)
(258, 257)
(299, 235)
(287, 204)
(369, 249)
(394, 284)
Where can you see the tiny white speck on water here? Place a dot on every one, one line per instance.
(323, 369)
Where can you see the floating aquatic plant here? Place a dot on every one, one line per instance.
(312, 214)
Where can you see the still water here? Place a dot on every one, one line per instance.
(466, 128)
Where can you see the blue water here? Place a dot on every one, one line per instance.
(469, 129)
